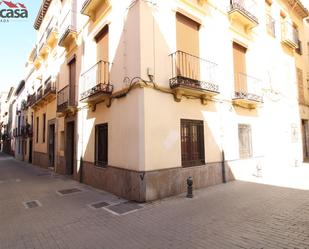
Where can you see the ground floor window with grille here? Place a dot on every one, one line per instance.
(192, 143)
(101, 145)
(245, 141)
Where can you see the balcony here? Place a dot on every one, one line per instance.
(247, 91)
(52, 36)
(45, 94)
(289, 35)
(30, 99)
(37, 60)
(193, 76)
(66, 101)
(243, 12)
(49, 89)
(91, 7)
(32, 55)
(39, 94)
(27, 131)
(68, 33)
(44, 50)
(96, 85)
(24, 105)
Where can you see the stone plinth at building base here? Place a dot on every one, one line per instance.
(152, 185)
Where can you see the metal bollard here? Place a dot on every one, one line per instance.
(190, 187)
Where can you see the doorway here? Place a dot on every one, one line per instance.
(70, 145)
(305, 139)
(72, 82)
(30, 151)
(51, 146)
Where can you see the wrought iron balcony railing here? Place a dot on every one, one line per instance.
(50, 87)
(190, 71)
(43, 93)
(289, 34)
(247, 8)
(66, 98)
(24, 105)
(96, 81)
(30, 99)
(39, 94)
(247, 88)
(271, 25)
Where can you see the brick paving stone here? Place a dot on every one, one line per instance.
(231, 216)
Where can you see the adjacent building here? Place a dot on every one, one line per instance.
(133, 97)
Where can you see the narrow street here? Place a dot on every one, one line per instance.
(235, 215)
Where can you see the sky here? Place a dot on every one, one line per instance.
(17, 38)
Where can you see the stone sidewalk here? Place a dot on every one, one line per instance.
(234, 215)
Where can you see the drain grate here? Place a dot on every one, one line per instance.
(69, 191)
(99, 204)
(124, 208)
(32, 204)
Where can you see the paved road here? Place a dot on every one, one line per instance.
(235, 215)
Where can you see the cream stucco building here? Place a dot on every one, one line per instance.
(135, 96)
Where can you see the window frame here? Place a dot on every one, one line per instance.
(191, 162)
(249, 151)
(96, 161)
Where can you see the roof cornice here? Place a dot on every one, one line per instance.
(299, 8)
(41, 14)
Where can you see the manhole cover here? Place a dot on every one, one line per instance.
(99, 204)
(32, 204)
(68, 191)
(124, 208)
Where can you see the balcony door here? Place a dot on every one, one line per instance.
(72, 83)
(240, 77)
(102, 56)
(188, 63)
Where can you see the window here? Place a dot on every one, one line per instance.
(240, 77)
(37, 129)
(102, 44)
(300, 86)
(72, 82)
(101, 145)
(192, 142)
(187, 34)
(270, 21)
(245, 143)
(102, 54)
(44, 127)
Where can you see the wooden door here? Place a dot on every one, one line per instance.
(51, 145)
(188, 62)
(70, 145)
(72, 83)
(240, 77)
